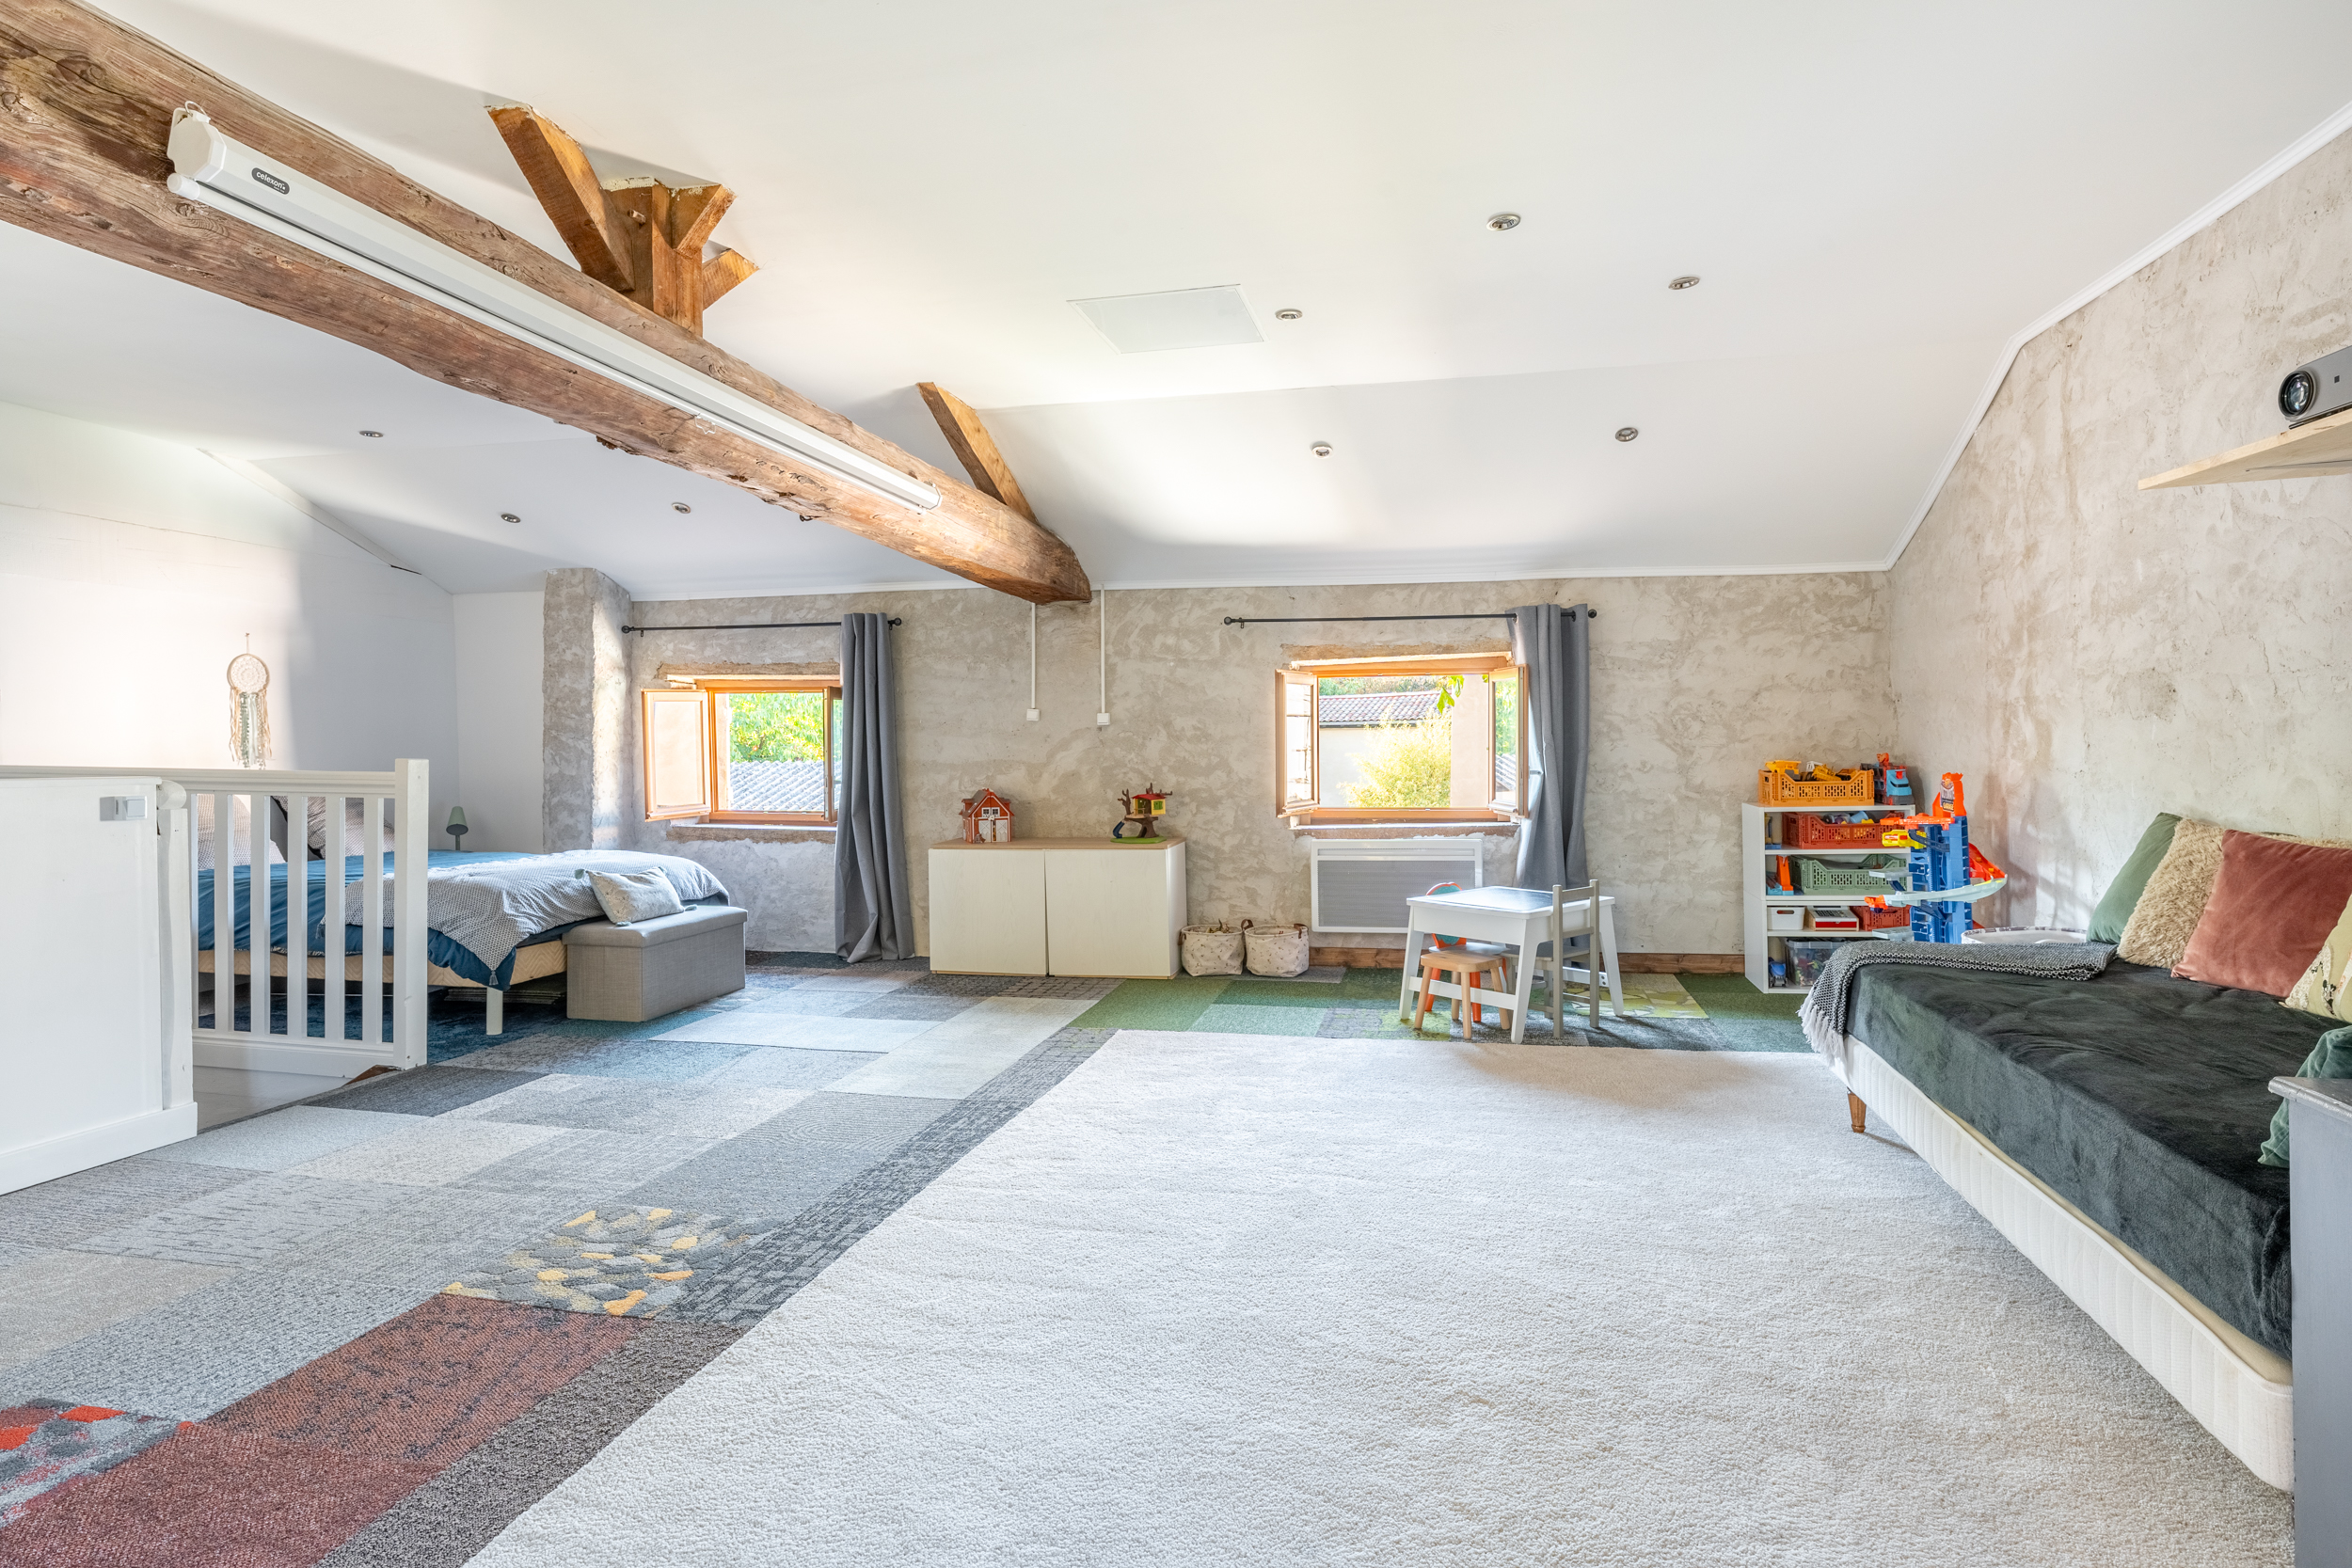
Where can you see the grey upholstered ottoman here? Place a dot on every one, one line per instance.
(630, 974)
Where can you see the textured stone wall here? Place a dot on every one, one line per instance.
(2090, 654)
(1695, 681)
(593, 782)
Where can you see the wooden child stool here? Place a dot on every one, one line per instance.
(1467, 966)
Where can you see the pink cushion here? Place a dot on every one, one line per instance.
(2272, 907)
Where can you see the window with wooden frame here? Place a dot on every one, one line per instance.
(1400, 739)
(743, 751)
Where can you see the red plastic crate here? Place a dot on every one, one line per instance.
(1811, 833)
(1881, 919)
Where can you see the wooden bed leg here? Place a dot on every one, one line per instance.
(494, 1016)
(1858, 1111)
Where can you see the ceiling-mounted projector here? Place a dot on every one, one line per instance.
(2317, 390)
(232, 177)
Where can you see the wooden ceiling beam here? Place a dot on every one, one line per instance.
(86, 109)
(694, 211)
(583, 211)
(974, 447)
(722, 272)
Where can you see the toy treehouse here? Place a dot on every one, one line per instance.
(1144, 809)
(987, 819)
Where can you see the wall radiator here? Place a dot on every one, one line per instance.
(1360, 885)
(202, 827)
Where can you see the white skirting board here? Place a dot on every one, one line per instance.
(2240, 1391)
(95, 1146)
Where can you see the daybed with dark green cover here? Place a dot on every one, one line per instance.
(2109, 1127)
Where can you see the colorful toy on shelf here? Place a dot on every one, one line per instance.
(1947, 873)
(987, 820)
(1144, 809)
(1894, 784)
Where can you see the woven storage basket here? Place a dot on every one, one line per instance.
(1276, 950)
(1211, 950)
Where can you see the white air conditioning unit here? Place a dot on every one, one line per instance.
(1361, 885)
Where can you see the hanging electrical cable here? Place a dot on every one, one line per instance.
(1102, 655)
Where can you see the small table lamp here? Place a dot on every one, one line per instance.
(457, 827)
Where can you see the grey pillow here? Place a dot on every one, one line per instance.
(629, 896)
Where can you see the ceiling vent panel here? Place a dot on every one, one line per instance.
(1179, 318)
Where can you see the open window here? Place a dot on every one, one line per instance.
(743, 751)
(1401, 739)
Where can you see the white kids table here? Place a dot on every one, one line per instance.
(1514, 916)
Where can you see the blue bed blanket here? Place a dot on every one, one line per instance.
(441, 948)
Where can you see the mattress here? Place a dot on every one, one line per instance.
(2240, 1391)
(534, 962)
(2138, 1099)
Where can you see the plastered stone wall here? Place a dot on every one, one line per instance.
(1695, 681)
(2089, 654)
(593, 783)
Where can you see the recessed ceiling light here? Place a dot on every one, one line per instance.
(1502, 221)
(1627, 433)
(1288, 314)
(680, 506)
(1321, 449)
(1687, 280)
(508, 518)
(372, 434)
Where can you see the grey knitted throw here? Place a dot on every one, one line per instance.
(1832, 997)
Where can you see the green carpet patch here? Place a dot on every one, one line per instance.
(1731, 996)
(1153, 1003)
(1223, 1019)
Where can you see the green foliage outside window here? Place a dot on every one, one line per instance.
(776, 726)
(1411, 764)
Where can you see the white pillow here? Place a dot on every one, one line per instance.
(629, 896)
(354, 825)
(240, 837)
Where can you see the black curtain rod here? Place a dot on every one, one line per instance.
(1590, 614)
(755, 626)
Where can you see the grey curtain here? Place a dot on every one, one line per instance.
(1555, 646)
(872, 917)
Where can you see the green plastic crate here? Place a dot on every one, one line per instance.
(1815, 878)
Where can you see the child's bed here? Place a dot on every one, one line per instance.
(2109, 1129)
(520, 905)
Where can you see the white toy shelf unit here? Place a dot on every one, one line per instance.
(1768, 916)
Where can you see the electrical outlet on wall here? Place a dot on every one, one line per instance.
(1033, 716)
(1102, 718)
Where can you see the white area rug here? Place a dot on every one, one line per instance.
(1250, 1300)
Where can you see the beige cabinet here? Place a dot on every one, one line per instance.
(1057, 906)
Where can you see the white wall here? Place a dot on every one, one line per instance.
(132, 571)
(500, 713)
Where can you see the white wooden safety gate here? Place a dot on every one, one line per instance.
(236, 825)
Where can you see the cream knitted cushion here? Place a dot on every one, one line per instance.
(629, 896)
(2174, 900)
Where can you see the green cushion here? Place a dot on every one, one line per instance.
(2330, 1058)
(2123, 895)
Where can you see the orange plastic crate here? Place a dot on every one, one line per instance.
(1811, 833)
(1855, 786)
(1881, 919)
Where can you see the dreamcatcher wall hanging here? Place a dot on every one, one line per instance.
(248, 707)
